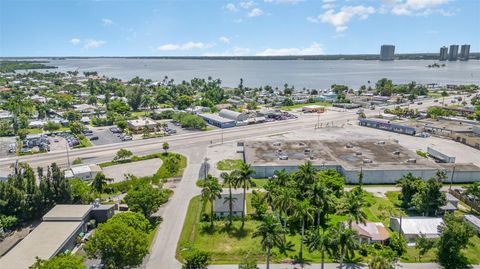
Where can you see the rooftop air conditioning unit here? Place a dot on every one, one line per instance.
(349, 145)
(308, 150)
(367, 161)
(397, 152)
(283, 157)
(381, 142)
(411, 161)
(277, 144)
(301, 144)
(358, 153)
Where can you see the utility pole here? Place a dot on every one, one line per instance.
(451, 178)
(68, 157)
(318, 119)
(222, 135)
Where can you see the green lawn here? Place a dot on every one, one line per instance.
(229, 245)
(260, 182)
(302, 105)
(229, 164)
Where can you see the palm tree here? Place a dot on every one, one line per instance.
(303, 211)
(345, 242)
(271, 232)
(230, 180)
(281, 178)
(211, 190)
(474, 191)
(352, 205)
(319, 240)
(380, 262)
(284, 200)
(320, 196)
(244, 179)
(99, 182)
(306, 175)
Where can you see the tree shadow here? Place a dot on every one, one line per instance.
(300, 261)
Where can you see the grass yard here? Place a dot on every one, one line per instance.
(229, 245)
(260, 182)
(302, 105)
(229, 164)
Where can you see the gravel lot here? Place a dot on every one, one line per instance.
(5, 143)
(140, 169)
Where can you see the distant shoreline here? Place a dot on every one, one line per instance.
(366, 57)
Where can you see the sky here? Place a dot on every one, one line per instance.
(233, 28)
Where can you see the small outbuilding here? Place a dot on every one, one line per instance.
(83, 172)
(221, 207)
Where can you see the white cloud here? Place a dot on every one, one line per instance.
(341, 18)
(418, 7)
(293, 2)
(224, 39)
(247, 4)
(255, 12)
(314, 49)
(107, 22)
(231, 7)
(235, 51)
(93, 43)
(328, 6)
(75, 41)
(186, 46)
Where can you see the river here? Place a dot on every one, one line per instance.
(300, 73)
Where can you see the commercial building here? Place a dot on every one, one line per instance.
(218, 121)
(380, 161)
(233, 115)
(83, 172)
(453, 53)
(221, 206)
(387, 53)
(465, 52)
(137, 126)
(414, 227)
(443, 54)
(313, 109)
(387, 125)
(57, 233)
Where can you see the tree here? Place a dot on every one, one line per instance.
(244, 180)
(320, 196)
(474, 191)
(430, 198)
(398, 243)
(146, 199)
(122, 154)
(455, 235)
(211, 190)
(118, 245)
(320, 240)
(306, 176)
(271, 233)
(410, 186)
(122, 125)
(165, 147)
(304, 212)
(345, 241)
(352, 204)
(52, 126)
(81, 192)
(230, 179)
(99, 183)
(424, 244)
(380, 262)
(62, 261)
(284, 201)
(259, 203)
(76, 127)
(132, 219)
(197, 259)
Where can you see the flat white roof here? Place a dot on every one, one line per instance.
(68, 213)
(141, 122)
(44, 242)
(473, 220)
(81, 169)
(420, 225)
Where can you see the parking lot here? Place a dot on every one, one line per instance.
(5, 144)
(105, 136)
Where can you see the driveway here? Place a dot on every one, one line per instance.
(139, 169)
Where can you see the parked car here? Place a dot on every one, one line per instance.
(93, 138)
(115, 130)
(126, 138)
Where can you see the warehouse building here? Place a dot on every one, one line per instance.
(233, 115)
(414, 227)
(57, 233)
(218, 121)
(381, 161)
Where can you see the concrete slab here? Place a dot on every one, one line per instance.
(139, 169)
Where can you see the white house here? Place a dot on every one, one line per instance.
(414, 227)
(84, 172)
